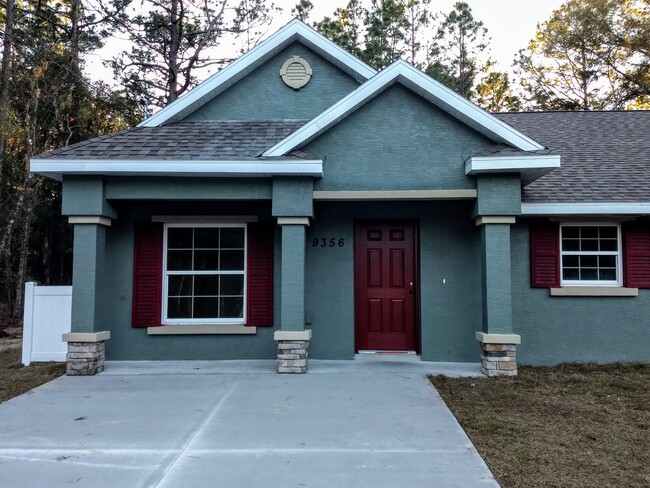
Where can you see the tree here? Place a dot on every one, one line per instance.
(418, 19)
(345, 27)
(385, 32)
(495, 94)
(175, 39)
(456, 56)
(590, 55)
(302, 10)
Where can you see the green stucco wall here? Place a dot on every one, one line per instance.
(263, 95)
(561, 329)
(398, 141)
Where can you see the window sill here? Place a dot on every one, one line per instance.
(206, 329)
(593, 291)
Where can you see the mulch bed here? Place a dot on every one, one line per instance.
(567, 426)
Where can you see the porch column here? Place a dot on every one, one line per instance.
(293, 206)
(498, 343)
(86, 350)
(85, 204)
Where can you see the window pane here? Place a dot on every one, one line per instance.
(206, 237)
(570, 245)
(589, 232)
(571, 232)
(570, 261)
(589, 261)
(607, 274)
(206, 285)
(607, 261)
(232, 261)
(232, 285)
(231, 308)
(589, 274)
(609, 245)
(179, 238)
(179, 308)
(205, 260)
(232, 238)
(571, 274)
(589, 245)
(179, 285)
(608, 233)
(206, 308)
(179, 260)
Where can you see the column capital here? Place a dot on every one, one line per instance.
(495, 219)
(89, 219)
(293, 221)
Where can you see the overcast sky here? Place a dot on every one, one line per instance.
(510, 23)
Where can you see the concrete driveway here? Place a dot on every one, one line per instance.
(238, 424)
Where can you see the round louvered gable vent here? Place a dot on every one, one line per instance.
(296, 72)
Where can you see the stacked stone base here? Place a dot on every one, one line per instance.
(85, 358)
(292, 356)
(498, 359)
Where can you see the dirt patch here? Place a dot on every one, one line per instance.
(15, 378)
(568, 426)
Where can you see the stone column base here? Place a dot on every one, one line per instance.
(292, 350)
(86, 352)
(498, 354)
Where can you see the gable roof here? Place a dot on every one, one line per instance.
(210, 140)
(425, 86)
(235, 71)
(604, 155)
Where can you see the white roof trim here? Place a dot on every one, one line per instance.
(112, 167)
(509, 164)
(423, 85)
(591, 208)
(219, 82)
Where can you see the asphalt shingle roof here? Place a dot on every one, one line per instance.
(196, 140)
(605, 155)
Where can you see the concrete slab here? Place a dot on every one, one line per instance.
(237, 424)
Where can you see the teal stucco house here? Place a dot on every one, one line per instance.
(298, 201)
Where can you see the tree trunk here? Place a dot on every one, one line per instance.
(73, 117)
(24, 255)
(174, 45)
(4, 76)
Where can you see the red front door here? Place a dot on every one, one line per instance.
(385, 286)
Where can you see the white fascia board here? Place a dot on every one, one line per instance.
(423, 85)
(592, 208)
(288, 167)
(217, 83)
(508, 164)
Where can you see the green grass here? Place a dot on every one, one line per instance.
(567, 426)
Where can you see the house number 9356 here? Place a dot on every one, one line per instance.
(327, 242)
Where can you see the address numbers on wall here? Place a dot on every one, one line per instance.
(328, 242)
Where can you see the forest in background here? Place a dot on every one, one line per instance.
(589, 55)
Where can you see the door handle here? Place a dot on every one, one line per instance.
(410, 288)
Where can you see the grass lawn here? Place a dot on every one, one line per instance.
(16, 379)
(567, 426)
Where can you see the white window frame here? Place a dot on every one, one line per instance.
(166, 274)
(619, 256)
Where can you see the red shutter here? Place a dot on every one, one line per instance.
(259, 311)
(147, 275)
(544, 255)
(637, 256)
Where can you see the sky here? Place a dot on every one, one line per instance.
(510, 23)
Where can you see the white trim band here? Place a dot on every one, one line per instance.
(293, 221)
(89, 219)
(204, 219)
(495, 219)
(486, 338)
(593, 291)
(86, 336)
(202, 329)
(595, 208)
(395, 195)
(162, 167)
(292, 335)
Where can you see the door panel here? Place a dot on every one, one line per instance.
(385, 294)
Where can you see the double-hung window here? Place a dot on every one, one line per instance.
(591, 254)
(204, 273)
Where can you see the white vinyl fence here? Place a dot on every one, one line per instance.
(46, 319)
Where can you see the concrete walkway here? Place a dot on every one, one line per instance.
(362, 423)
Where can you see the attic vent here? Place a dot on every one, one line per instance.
(296, 72)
